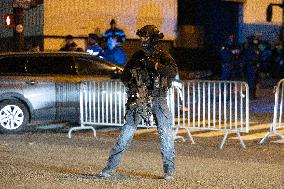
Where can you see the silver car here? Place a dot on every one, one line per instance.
(45, 86)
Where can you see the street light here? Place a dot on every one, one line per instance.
(9, 21)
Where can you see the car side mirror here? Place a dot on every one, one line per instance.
(115, 75)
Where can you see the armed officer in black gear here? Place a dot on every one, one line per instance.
(147, 76)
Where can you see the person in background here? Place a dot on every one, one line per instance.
(115, 32)
(147, 76)
(265, 55)
(237, 64)
(35, 48)
(226, 57)
(251, 64)
(69, 45)
(277, 64)
(79, 49)
(114, 53)
(93, 46)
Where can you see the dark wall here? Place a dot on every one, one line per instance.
(219, 19)
(187, 11)
(8, 44)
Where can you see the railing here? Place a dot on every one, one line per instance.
(101, 103)
(196, 104)
(213, 105)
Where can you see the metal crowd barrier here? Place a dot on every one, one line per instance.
(101, 103)
(213, 105)
(278, 113)
(196, 104)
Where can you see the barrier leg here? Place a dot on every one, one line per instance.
(226, 136)
(176, 136)
(271, 133)
(224, 139)
(189, 136)
(279, 135)
(241, 140)
(265, 138)
(82, 127)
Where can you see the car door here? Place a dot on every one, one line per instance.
(40, 88)
(59, 70)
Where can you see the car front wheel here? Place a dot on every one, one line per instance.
(14, 116)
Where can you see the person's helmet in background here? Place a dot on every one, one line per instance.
(112, 21)
(93, 38)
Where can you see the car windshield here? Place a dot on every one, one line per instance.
(94, 67)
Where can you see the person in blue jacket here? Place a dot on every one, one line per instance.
(114, 53)
(94, 48)
(114, 31)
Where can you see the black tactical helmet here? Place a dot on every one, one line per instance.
(150, 31)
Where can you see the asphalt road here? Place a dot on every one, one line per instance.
(40, 158)
(49, 159)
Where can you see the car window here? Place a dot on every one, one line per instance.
(62, 65)
(13, 65)
(93, 67)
